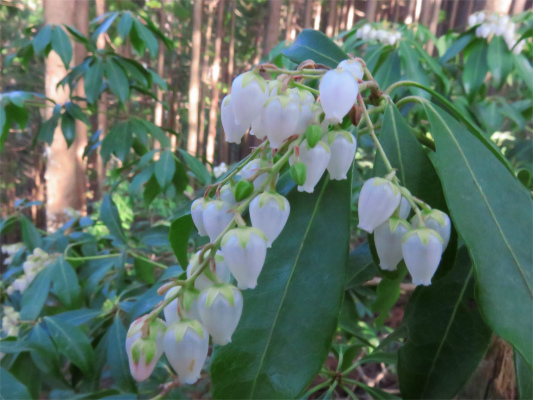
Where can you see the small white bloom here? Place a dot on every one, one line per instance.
(12, 249)
(10, 321)
(250, 169)
(234, 132)
(269, 213)
(388, 240)
(438, 221)
(197, 214)
(20, 284)
(217, 272)
(186, 345)
(244, 250)
(217, 216)
(227, 195)
(248, 94)
(405, 208)
(281, 115)
(220, 309)
(422, 250)
(354, 67)
(316, 161)
(472, 20)
(342, 145)
(173, 310)
(480, 17)
(220, 170)
(378, 199)
(338, 93)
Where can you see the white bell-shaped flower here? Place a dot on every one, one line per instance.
(227, 195)
(244, 250)
(217, 272)
(174, 309)
(388, 240)
(234, 132)
(250, 169)
(354, 67)
(422, 251)
(316, 161)
(480, 17)
(143, 353)
(438, 221)
(186, 345)
(378, 199)
(338, 93)
(281, 115)
(342, 145)
(258, 125)
(405, 208)
(220, 309)
(248, 95)
(472, 20)
(274, 87)
(217, 216)
(269, 213)
(197, 212)
(307, 115)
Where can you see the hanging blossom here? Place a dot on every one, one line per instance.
(10, 321)
(387, 36)
(497, 25)
(34, 264)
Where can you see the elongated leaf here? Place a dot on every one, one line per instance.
(311, 44)
(72, 343)
(117, 80)
(156, 132)
(457, 46)
(490, 209)
(118, 141)
(46, 133)
(288, 320)
(412, 69)
(165, 168)
(196, 167)
(42, 39)
(78, 317)
(147, 37)
(387, 294)
(65, 280)
(68, 127)
(524, 377)
(45, 354)
(180, 230)
(361, 267)
(11, 388)
(389, 72)
(144, 270)
(35, 296)
(476, 67)
(93, 80)
(30, 235)
(124, 25)
(447, 336)
(523, 66)
(117, 358)
(499, 60)
(111, 219)
(104, 26)
(61, 45)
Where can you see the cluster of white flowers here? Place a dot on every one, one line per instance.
(296, 125)
(10, 321)
(11, 250)
(498, 25)
(220, 169)
(368, 32)
(34, 264)
(383, 211)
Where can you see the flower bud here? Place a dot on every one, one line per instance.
(217, 216)
(342, 145)
(422, 250)
(353, 67)
(313, 134)
(338, 93)
(215, 273)
(186, 345)
(250, 169)
(174, 309)
(227, 195)
(244, 250)
(388, 240)
(281, 117)
(378, 199)
(405, 208)
(243, 189)
(143, 353)
(248, 93)
(197, 211)
(269, 213)
(234, 132)
(220, 309)
(298, 173)
(316, 160)
(438, 221)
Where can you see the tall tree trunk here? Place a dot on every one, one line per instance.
(371, 6)
(102, 116)
(307, 13)
(65, 172)
(289, 25)
(499, 6)
(158, 111)
(318, 16)
(272, 34)
(194, 84)
(213, 114)
(433, 24)
(332, 18)
(224, 148)
(519, 6)
(427, 6)
(453, 14)
(351, 12)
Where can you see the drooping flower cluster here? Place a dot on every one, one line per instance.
(384, 212)
(498, 25)
(34, 264)
(220, 170)
(387, 36)
(11, 250)
(10, 321)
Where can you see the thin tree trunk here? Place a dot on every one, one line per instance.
(307, 13)
(290, 11)
(213, 114)
(102, 116)
(426, 11)
(224, 148)
(433, 24)
(194, 84)
(453, 14)
(371, 6)
(498, 6)
(158, 112)
(272, 34)
(519, 6)
(318, 16)
(65, 172)
(350, 17)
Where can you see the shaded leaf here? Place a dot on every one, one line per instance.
(196, 167)
(61, 45)
(65, 280)
(117, 80)
(180, 231)
(311, 44)
(11, 388)
(42, 39)
(35, 296)
(111, 219)
(93, 80)
(117, 358)
(165, 168)
(30, 235)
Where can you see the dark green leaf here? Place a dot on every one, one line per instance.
(16, 114)
(457, 46)
(118, 141)
(30, 235)
(387, 294)
(151, 190)
(476, 67)
(80, 37)
(35, 296)
(147, 37)
(447, 336)
(524, 377)
(11, 388)
(45, 354)
(41, 40)
(483, 197)
(65, 281)
(117, 358)
(136, 71)
(523, 66)
(78, 317)
(124, 25)
(111, 219)
(389, 72)
(196, 167)
(156, 236)
(117, 80)
(46, 133)
(156, 133)
(76, 112)
(281, 343)
(314, 45)
(180, 230)
(26, 372)
(104, 26)
(93, 80)
(72, 343)
(165, 168)
(144, 270)
(61, 45)
(499, 60)
(68, 127)
(158, 80)
(361, 267)
(412, 69)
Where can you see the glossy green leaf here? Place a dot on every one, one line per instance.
(314, 45)
(35, 296)
(65, 281)
(27, 373)
(412, 68)
(389, 72)
(180, 230)
(499, 60)
(93, 80)
(144, 270)
(117, 359)
(456, 47)
(117, 80)
(45, 354)
(361, 267)
(72, 343)
(524, 377)
(30, 235)
(46, 133)
(149, 40)
(476, 67)
(76, 112)
(483, 197)
(118, 141)
(288, 320)
(447, 336)
(61, 45)
(78, 317)
(104, 26)
(151, 190)
(196, 167)
(124, 25)
(165, 168)
(156, 132)
(68, 127)
(11, 388)
(42, 39)
(523, 66)
(111, 219)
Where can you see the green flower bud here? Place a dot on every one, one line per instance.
(313, 134)
(298, 173)
(243, 189)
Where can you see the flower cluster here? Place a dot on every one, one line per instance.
(383, 211)
(220, 170)
(34, 264)
(10, 321)
(368, 32)
(498, 25)
(11, 250)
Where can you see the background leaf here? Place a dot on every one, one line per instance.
(111, 219)
(35, 296)
(476, 67)
(180, 231)
(61, 45)
(117, 358)
(11, 388)
(30, 235)
(65, 280)
(165, 168)
(311, 44)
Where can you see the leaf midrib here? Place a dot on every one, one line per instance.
(69, 342)
(316, 52)
(395, 131)
(288, 284)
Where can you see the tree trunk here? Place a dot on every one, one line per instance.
(318, 16)
(350, 17)
(371, 6)
(101, 118)
(223, 147)
(289, 24)
(65, 172)
(498, 6)
(194, 84)
(272, 35)
(332, 17)
(453, 14)
(307, 13)
(158, 112)
(433, 24)
(426, 11)
(519, 6)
